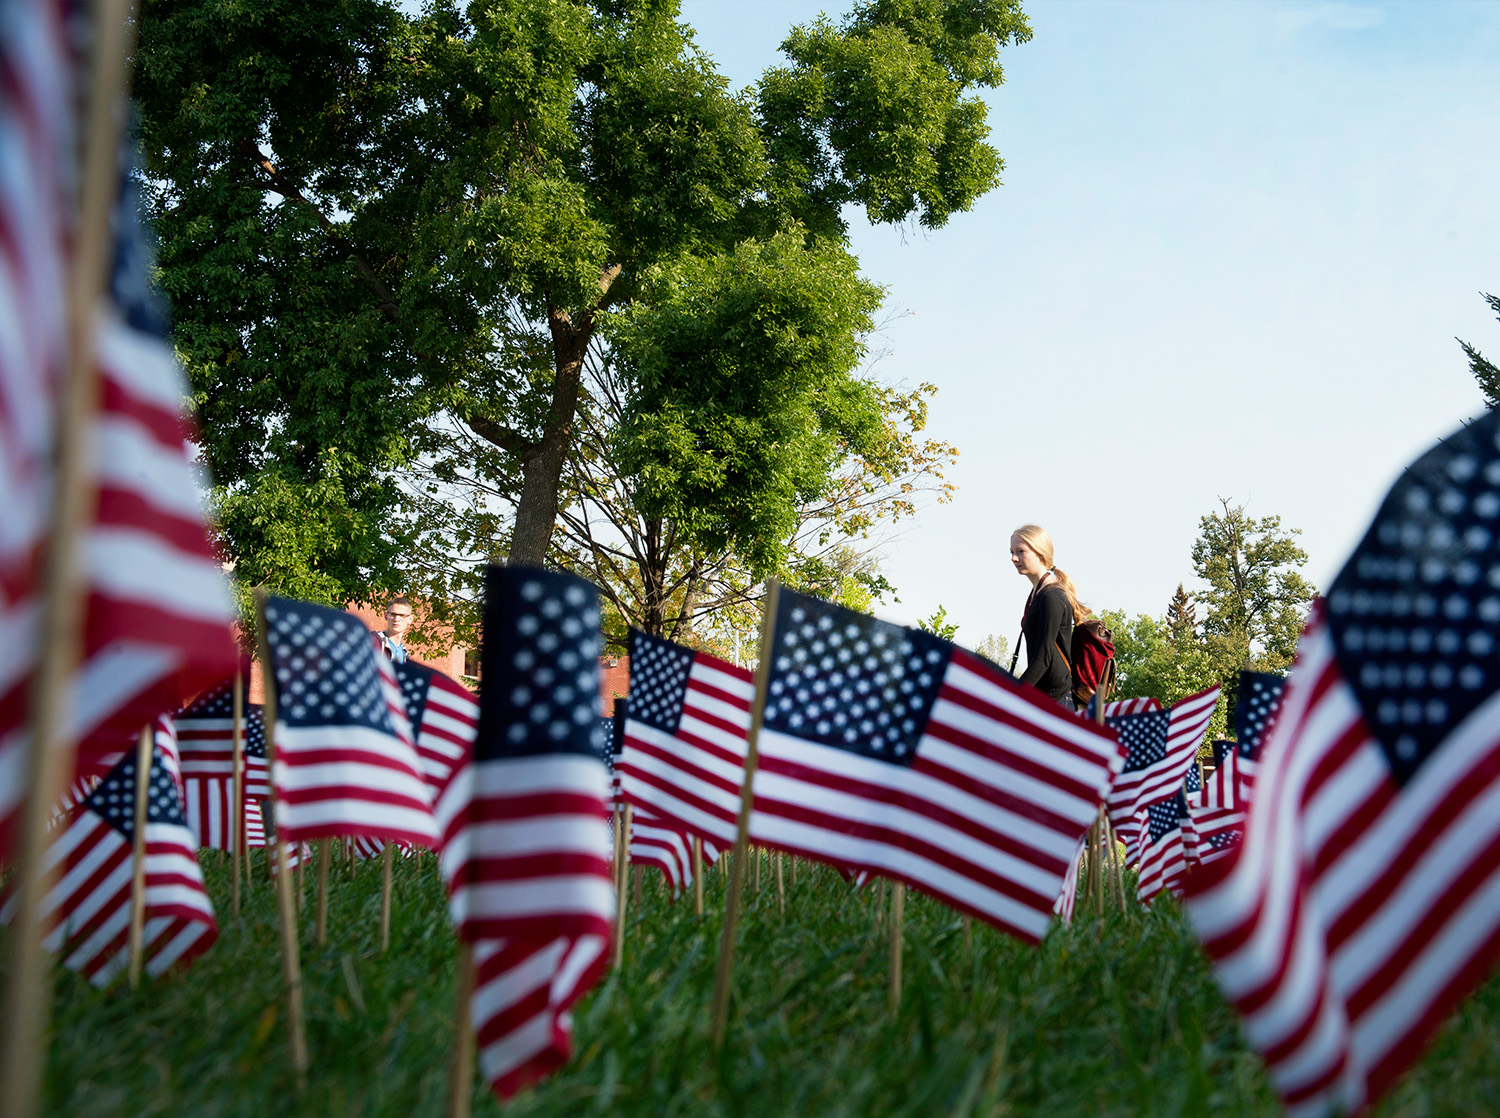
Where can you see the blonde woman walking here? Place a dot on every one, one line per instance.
(1052, 609)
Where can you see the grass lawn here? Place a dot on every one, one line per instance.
(1118, 1016)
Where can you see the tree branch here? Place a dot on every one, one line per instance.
(501, 436)
(288, 190)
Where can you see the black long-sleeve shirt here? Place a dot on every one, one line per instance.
(1048, 629)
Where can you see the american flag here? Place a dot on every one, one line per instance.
(36, 142)
(157, 627)
(1189, 723)
(1192, 786)
(205, 738)
(685, 741)
(891, 750)
(444, 719)
(1068, 898)
(1143, 736)
(344, 762)
(209, 804)
(87, 910)
(1221, 789)
(1167, 848)
(1220, 816)
(656, 842)
(1361, 906)
(528, 865)
(1161, 746)
(1254, 714)
(156, 621)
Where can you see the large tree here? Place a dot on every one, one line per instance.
(379, 228)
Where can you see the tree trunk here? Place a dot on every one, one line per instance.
(542, 467)
(653, 570)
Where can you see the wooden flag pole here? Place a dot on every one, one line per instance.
(385, 897)
(461, 1068)
(325, 858)
(619, 834)
(138, 857)
(49, 759)
(291, 963)
(1117, 861)
(1096, 868)
(620, 887)
(237, 794)
(780, 888)
(697, 876)
(898, 938)
(720, 1011)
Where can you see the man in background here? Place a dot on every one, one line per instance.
(397, 620)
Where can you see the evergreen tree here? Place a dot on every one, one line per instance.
(1182, 620)
(1484, 371)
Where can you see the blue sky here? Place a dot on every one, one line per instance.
(1233, 247)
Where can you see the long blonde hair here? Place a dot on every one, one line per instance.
(1035, 537)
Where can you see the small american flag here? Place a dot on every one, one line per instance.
(891, 750)
(209, 804)
(685, 737)
(205, 738)
(656, 842)
(1360, 908)
(1161, 746)
(157, 611)
(1167, 848)
(444, 719)
(344, 762)
(36, 145)
(1189, 722)
(87, 911)
(528, 863)
(1143, 736)
(1220, 792)
(1192, 787)
(1254, 715)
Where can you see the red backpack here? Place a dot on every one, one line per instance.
(1092, 661)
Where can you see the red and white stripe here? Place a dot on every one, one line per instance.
(1356, 913)
(528, 866)
(157, 627)
(987, 818)
(1190, 719)
(532, 850)
(695, 777)
(657, 842)
(1067, 899)
(523, 991)
(1130, 706)
(346, 781)
(209, 809)
(1220, 790)
(445, 739)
